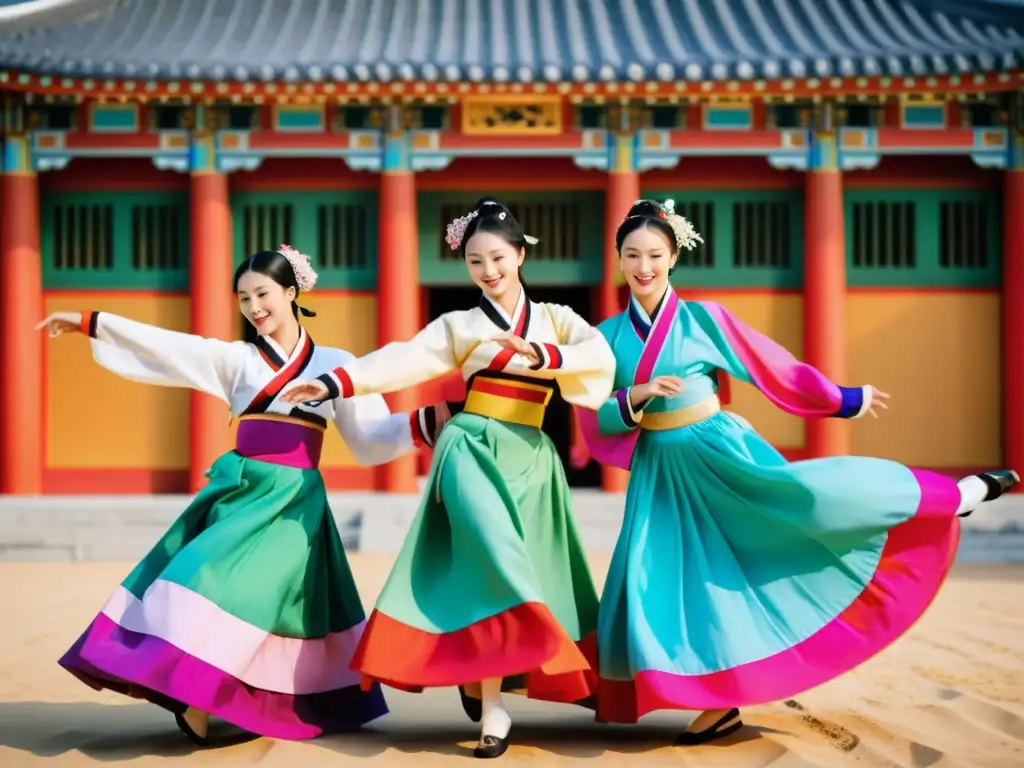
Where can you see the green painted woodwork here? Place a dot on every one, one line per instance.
(115, 240)
(569, 224)
(970, 236)
(337, 229)
(762, 229)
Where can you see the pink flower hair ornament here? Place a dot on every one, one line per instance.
(457, 231)
(304, 274)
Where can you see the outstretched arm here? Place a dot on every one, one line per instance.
(372, 432)
(153, 355)
(399, 365)
(793, 386)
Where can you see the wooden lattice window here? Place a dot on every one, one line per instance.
(555, 225)
(761, 235)
(341, 236)
(157, 237)
(702, 216)
(83, 237)
(963, 234)
(884, 235)
(266, 226)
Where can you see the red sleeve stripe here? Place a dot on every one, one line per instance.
(416, 426)
(554, 355)
(88, 326)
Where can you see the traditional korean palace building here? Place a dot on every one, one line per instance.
(855, 167)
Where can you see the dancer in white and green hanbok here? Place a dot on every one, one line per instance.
(246, 608)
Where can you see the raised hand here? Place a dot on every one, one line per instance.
(659, 386)
(878, 398)
(305, 392)
(60, 323)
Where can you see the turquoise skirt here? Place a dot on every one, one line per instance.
(740, 578)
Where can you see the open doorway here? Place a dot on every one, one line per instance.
(558, 418)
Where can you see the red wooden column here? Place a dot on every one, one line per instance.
(623, 190)
(22, 385)
(1013, 310)
(212, 310)
(398, 293)
(825, 288)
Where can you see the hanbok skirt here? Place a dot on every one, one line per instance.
(739, 578)
(246, 608)
(492, 580)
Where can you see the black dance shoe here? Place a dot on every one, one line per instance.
(727, 724)
(195, 738)
(998, 481)
(474, 708)
(491, 746)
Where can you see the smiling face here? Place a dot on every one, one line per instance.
(494, 264)
(645, 260)
(264, 303)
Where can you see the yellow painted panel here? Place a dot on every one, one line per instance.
(344, 320)
(96, 419)
(347, 321)
(938, 355)
(779, 316)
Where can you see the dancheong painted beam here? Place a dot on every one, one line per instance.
(504, 41)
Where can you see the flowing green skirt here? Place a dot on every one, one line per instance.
(492, 580)
(246, 609)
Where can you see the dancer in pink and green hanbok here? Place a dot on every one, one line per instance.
(246, 608)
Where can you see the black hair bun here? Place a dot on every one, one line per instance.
(650, 208)
(487, 202)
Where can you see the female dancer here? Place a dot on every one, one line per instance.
(246, 608)
(740, 578)
(491, 581)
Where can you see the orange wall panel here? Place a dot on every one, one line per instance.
(346, 320)
(938, 355)
(96, 419)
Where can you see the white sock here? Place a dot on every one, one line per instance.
(972, 492)
(495, 720)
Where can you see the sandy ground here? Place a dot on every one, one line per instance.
(949, 695)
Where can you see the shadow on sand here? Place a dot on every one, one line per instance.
(116, 733)
(104, 732)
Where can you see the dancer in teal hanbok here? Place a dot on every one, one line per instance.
(740, 578)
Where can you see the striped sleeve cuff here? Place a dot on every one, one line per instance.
(548, 356)
(89, 321)
(423, 423)
(338, 383)
(855, 402)
(630, 416)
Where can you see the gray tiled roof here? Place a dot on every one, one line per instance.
(520, 40)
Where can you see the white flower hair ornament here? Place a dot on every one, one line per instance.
(457, 230)
(686, 236)
(304, 274)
